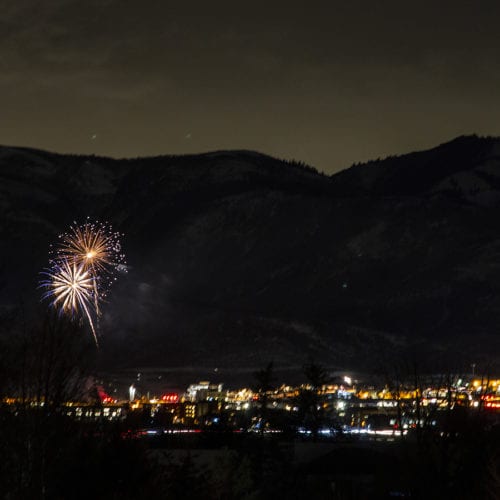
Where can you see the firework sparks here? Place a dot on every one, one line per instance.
(96, 247)
(82, 268)
(71, 288)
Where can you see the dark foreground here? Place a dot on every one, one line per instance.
(49, 452)
(51, 456)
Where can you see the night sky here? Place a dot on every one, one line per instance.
(329, 83)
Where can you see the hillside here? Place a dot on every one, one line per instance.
(236, 258)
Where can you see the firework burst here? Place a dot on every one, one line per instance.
(83, 265)
(94, 245)
(71, 289)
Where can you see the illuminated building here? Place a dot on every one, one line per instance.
(205, 391)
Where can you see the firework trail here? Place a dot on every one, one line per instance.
(71, 288)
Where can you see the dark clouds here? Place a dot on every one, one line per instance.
(329, 83)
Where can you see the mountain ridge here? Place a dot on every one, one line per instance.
(460, 154)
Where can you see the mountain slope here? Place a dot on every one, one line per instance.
(236, 258)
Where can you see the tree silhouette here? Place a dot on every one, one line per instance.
(264, 379)
(52, 360)
(311, 410)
